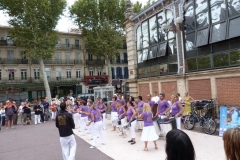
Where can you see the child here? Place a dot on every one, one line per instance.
(149, 133)
(54, 110)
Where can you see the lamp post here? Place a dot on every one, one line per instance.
(10, 71)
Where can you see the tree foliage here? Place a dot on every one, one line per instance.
(149, 3)
(137, 7)
(102, 25)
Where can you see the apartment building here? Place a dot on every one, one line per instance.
(70, 70)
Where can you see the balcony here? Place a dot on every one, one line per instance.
(59, 61)
(5, 43)
(119, 76)
(97, 62)
(68, 46)
(13, 61)
(123, 61)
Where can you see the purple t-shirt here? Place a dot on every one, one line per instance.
(175, 108)
(75, 108)
(84, 109)
(147, 119)
(162, 106)
(114, 104)
(101, 107)
(120, 111)
(89, 111)
(140, 107)
(97, 115)
(151, 103)
(122, 100)
(129, 113)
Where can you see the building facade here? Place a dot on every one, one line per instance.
(179, 46)
(70, 70)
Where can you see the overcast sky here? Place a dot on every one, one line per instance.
(64, 23)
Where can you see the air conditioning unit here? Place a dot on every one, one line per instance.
(2, 38)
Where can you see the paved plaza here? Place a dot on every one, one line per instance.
(41, 142)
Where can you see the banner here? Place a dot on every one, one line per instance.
(229, 118)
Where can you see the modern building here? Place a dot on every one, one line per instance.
(70, 70)
(185, 45)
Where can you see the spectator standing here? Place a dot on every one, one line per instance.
(177, 110)
(155, 99)
(9, 113)
(15, 113)
(187, 102)
(45, 108)
(65, 124)
(37, 110)
(20, 111)
(54, 109)
(2, 114)
(26, 113)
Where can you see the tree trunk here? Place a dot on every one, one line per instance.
(109, 72)
(45, 80)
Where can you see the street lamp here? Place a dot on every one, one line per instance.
(10, 71)
(166, 27)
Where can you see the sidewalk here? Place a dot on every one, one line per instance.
(207, 147)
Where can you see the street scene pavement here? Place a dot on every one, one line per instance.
(41, 142)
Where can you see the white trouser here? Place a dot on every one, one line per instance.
(76, 118)
(123, 122)
(104, 121)
(163, 126)
(37, 119)
(132, 128)
(178, 122)
(69, 147)
(83, 123)
(98, 131)
(114, 116)
(54, 115)
(91, 129)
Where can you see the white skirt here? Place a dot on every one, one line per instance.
(149, 134)
(114, 116)
(139, 125)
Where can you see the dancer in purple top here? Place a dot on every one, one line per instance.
(97, 120)
(88, 113)
(83, 119)
(102, 108)
(139, 111)
(177, 109)
(131, 113)
(114, 113)
(121, 116)
(120, 98)
(149, 101)
(148, 133)
(76, 115)
(131, 98)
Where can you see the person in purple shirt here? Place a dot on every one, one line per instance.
(114, 113)
(139, 111)
(149, 101)
(162, 110)
(177, 109)
(88, 113)
(97, 126)
(83, 119)
(148, 133)
(102, 108)
(131, 98)
(120, 98)
(131, 113)
(121, 116)
(76, 116)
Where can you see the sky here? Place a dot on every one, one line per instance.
(64, 24)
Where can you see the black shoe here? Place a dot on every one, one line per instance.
(130, 141)
(133, 143)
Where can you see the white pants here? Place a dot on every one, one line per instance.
(104, 121)
(37, 119)
(76, 118)
(69, 147)
(163, 126)
(83, 123)
(91, 129)
(54, 115)
(114, 116)
(97, 130)
(132, 129)
(178, 122)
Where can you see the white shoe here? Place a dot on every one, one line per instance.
(92, 147)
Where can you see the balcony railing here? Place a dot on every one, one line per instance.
(95, 62)
(123, 61)
(59, 61)
(13, 61)
(68, 46)
(119, 76)
(5, 43)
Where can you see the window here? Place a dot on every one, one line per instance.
(77, 46)
(126, 72)
(77, 58)
(125, 57)
(58, 74)
(90, 71)
(90, 57)
(118, 58)
(23, 55)
(10, 55)
(99, 71)
(119, 72)
(48, 73)
(58, 44)
(204, 62)
(191, 64)
(69, 74)
(67, 42)
(113, 73)
(58, 58)
(67, 58)
(78, 73)
(11, 75)
(98, 58)
(23, 74)
(220, 60)
(36, 74)
(235, 57)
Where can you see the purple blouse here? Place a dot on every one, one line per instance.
(129, 113)
(121, 111)
(151, 103)
(140, 107)
(122, 100)
(162, 106)
(114, 104)
(147, 119)
(97, 115)
(89, 111)
(84, 109)
(101, 107)
(175, 108)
